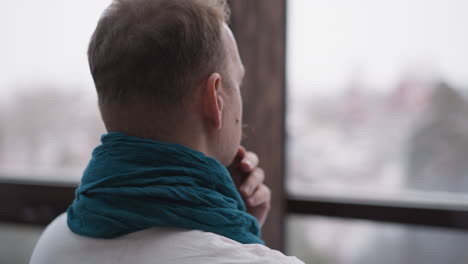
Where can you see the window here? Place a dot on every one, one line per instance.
(332, 240)
(48, 105)
(376, 129)
(49, 121)
(377, 95)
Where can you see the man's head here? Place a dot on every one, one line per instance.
(170, 70)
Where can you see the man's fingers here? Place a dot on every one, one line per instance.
(261, 195)
(252, 182)
(249, 162)
(260, 212)
(241, 152)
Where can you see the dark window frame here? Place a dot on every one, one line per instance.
(38, 203)
(260, 28)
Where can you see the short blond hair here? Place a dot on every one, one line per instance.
(155, 51)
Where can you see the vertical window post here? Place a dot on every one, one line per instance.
(260, 29)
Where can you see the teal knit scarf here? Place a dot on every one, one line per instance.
(132, 184)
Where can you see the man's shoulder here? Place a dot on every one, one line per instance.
(205, 247)
(155, 245)
(230, 251)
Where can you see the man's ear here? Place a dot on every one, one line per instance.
(212, 101)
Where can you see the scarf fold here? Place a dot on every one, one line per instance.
(132, 184)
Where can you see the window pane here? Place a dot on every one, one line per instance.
(49, 121)
(17, 242)
(336, 241)
(377, 95)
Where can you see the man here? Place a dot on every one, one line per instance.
(168, 76)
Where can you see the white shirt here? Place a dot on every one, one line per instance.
(58, 244)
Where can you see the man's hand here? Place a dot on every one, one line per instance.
(248, 179)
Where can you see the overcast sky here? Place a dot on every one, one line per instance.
(334, 41)
(329, 42)
(45, 42)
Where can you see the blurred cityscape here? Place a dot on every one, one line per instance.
(47, 133)
(405, 138)
(414, 137)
